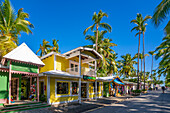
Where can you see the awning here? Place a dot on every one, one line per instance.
(117, 81)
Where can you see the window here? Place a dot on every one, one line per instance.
(74, 66)
(95, 87)
(74, 88)
(62, 88)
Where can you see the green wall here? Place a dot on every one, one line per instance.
(4, 84)
(24, 67)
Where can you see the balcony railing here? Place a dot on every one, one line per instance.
(84, 71)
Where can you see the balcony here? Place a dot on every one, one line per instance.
(84, 71)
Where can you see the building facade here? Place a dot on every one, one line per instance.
(71, 76)
(19, 75)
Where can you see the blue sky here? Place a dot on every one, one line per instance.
(65, 20)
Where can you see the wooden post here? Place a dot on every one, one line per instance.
(37, 88)
(30, 84)
(9, 83)
(38, 85)
(79, 98)
(96, 79)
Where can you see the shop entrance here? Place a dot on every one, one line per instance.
(15, 88)
(84, 90)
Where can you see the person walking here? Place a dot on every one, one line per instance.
(163, 89)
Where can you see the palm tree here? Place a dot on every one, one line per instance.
(126, 65)
(44, 48)
(152, 54)
(143, 31)
(11, 25)
(163, 52)
(104, 46)
(55, 46)
(138, 22)
(141, 27)
(97, 18)
(160, 14)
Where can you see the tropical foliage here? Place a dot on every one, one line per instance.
(108, 64)
(163, 52)
(46, 48)
(97, 18)
(160, 14)
(11, 26)
(127, 65)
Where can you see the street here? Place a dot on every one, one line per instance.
(153, 102)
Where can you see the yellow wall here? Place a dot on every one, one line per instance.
(53, 99)
(91, 90)
(61, 63)
(49, 64)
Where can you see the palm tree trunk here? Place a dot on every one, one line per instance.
(144, 57)
(138, 61)
(141, 75)
(151, 70)
(97, 27)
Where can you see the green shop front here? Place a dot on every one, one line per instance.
(19, 78)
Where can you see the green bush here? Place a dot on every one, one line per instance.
(136, 91)
(144, 90)
(43, 98)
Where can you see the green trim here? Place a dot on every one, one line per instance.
(88, 77)
(24, 67)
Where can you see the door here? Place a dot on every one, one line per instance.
(15, 88)
(84, 90)
(42, 88)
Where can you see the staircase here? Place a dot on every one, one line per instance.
(22, 107)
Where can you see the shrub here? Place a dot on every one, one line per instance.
(136, 91)
(144, 90)
(43, 98)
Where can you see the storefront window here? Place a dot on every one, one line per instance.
(97, 86)
(62, 88)
(74, 88)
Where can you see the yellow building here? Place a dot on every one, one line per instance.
(70, 76)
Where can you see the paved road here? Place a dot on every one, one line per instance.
(153, 102)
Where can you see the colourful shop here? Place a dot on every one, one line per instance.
(113, 86)
(19, 75)
(71, 76)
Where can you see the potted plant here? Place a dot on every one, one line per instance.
(136, 92)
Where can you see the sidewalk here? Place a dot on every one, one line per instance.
(88, 105)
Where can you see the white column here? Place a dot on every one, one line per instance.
(55, 62)
(88, 90)
(96, 80)
(10, 76)
(79, 98)
(48, 90)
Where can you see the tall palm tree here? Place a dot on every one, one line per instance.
(44, 48)
(143, 31)
(97, 18)
(160, 14)
(11, 25)
(141, 27)
(163, 52)
(152, 54)
(55, 46)
(138, 22)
